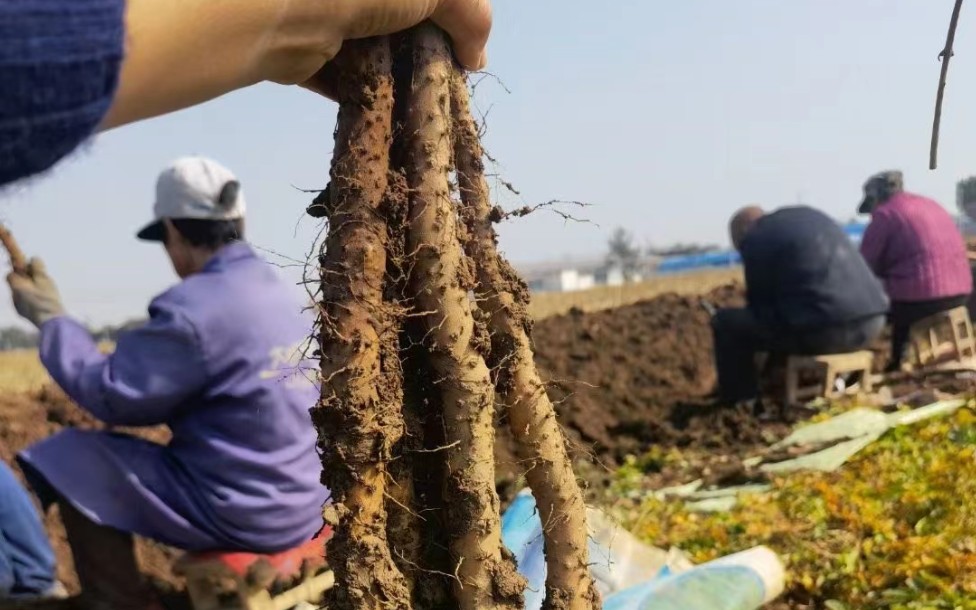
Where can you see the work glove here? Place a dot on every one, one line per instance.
(35, 296)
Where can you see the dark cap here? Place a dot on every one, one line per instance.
(879, 188)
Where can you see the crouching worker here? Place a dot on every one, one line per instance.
(808, 291)
(216, 362)
(26, 557)
(915, 247)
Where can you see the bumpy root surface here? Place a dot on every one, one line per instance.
(358, 417)
(504, 299)
(441, 280)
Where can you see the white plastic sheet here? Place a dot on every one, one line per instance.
(632, 575)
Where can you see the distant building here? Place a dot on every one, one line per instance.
(562, 280)
(610, 275)
(615, 275)
(569, 276)
(572, 275)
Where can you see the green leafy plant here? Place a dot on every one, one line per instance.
(893, 529)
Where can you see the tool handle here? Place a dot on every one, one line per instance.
(17, 259)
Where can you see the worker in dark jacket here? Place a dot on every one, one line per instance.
(808, 291)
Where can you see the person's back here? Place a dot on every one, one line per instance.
(808, 292)
(914, 246)
(803, 272)
(246, 443)
(220, 361)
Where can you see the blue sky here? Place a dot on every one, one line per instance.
(665, 116)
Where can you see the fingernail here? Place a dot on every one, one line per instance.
(483, 60)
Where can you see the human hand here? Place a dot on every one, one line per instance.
(35, 295)
(180, 54)
(467, 22)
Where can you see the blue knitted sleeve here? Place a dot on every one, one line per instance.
(59, 67)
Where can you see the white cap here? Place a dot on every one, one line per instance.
(194, 188)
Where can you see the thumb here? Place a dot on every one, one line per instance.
(36, 267)
(468, 23)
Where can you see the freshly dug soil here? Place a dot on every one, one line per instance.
(627, 379)
(28, 418)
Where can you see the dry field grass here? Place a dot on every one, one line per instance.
(21, 371)
(607, 297)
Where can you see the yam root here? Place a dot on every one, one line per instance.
(504, 298)
(412, 365)
(404, 523)
(440, 281)
(358, 416)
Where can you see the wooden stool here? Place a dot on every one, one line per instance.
(250, 581)
(825, 370)
(944, 337)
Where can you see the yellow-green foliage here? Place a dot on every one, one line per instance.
(895, 528)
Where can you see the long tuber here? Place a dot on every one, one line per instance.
(503, 298)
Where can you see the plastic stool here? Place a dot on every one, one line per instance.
(825, 369)
(247, 581)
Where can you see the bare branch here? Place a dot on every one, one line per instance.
(944, 56)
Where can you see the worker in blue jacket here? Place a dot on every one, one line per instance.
(223, 362)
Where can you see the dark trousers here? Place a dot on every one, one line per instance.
(104, 557)
(904, 314)
(739, 336)
(105, 561)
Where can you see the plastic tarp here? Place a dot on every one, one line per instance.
(851, 432)
(743, 581)
(841, 437)
(617, 559)
(631, 575)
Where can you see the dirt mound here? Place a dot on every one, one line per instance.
(626, 379)
(28, 418)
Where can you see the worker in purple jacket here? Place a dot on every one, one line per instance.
(220, 361)
(915, 248)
